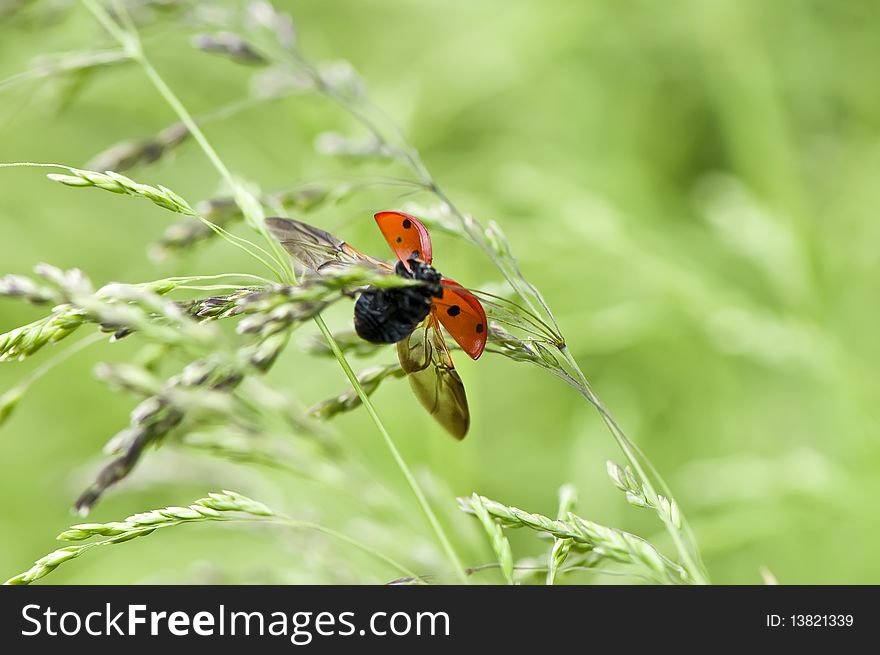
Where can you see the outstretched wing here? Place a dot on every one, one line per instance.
(463, 317)
(406, 235)
(458, 309)
(314, 249)
(425, 358)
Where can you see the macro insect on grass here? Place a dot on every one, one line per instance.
(203, 387)
(407, 316)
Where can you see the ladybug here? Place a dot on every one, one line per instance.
(409, 316)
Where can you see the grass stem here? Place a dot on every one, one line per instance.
(635, 457)
(252, 210)
(395, 453)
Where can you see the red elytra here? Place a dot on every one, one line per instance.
(460, 312)
(406, 235)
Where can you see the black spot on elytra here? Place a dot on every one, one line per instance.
(480, 328)
(455, 310)
(399, 239)
(407, 223)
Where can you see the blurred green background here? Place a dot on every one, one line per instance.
(692, 185)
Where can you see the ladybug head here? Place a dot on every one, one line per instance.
(419, 270)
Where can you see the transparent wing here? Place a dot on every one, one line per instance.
(314, 249)
(425, 358)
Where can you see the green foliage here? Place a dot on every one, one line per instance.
(215, 507)
(689, 189)
(604, 542)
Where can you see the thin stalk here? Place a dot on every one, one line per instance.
(276, 520)
(286, 521)
(480, 240)
(10, 399)
(306, 525)
(395, 453)
(633, 456)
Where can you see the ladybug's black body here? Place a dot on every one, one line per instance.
(391, 315)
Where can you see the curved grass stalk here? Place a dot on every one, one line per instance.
(225, 507)
(690, 558)
(218, 276)
(242, 243)
(210, 287)
(494, 245)
(317, 527)
(10, 399)
(158, 195)
(253, 213)
(545, 330)
(69, 62)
